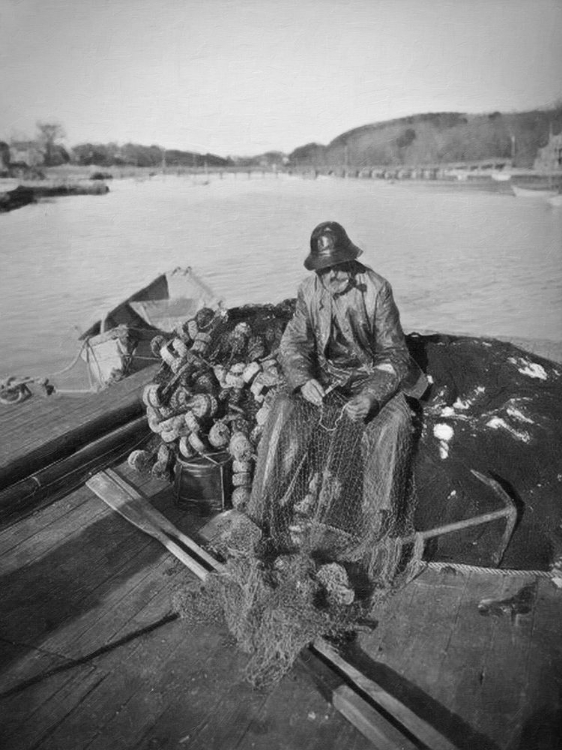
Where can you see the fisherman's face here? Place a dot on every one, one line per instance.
(335, 278)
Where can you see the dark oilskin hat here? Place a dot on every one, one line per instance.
(330, 245)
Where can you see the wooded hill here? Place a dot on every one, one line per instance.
(433, 138)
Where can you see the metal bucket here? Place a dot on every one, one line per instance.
(203, 484)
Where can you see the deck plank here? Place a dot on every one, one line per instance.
(190, 671)
(132, 586)
(438, 596)
(93, 622)
(49, 591)
(407, 633)
(112, 613)
(131, 670)
(48, 539)
(523, 679)
(24, 663)
(229, 713)
(85, 571)
(302, 720)
(392, 624)
(495, 680)
(489, 692)
(457, 683)
(42, 530)
(24, 528)
(407, 658)
(30, 717)
(157, 605)
(44, 430)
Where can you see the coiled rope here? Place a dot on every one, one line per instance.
(14, 390)
(507, 572)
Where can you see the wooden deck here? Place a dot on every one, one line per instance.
(51, 445)
(41, 430)
(487, 681)
(77, 578)
(92, 657)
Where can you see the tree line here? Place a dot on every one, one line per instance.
(135, 154)
(49, 139)
(435, 138)
(432, 138)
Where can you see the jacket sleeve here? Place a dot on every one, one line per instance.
(297, 350)
(391, 361)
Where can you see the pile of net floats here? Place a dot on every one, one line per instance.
(213, 391)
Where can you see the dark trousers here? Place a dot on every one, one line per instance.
(316, 467)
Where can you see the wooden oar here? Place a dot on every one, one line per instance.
(129, 503)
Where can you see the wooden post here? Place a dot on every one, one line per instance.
(417, 726)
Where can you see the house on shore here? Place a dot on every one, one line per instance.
(26, 153)
(550, 156)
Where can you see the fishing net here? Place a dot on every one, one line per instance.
(335, 489)
(321, 543)
(273, 609)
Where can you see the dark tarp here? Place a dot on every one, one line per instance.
(497, 409)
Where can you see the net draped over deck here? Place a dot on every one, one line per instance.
(320, 544)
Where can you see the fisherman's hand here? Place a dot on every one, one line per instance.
(313, 392)
(360, 406)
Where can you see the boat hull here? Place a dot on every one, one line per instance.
(118, 344)
(533, 192)
(501, 176)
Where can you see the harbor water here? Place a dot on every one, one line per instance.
(459, 260)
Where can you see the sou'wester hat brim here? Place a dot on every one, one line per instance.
(317, 261)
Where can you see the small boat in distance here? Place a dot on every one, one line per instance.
(531, 191)
(499, 176)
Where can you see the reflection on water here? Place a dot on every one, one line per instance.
(464, 261)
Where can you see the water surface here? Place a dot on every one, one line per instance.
(459, 261)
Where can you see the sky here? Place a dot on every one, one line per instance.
(239, 77)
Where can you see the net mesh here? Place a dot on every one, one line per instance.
(320, 544)
(272, 610)
(334, 489)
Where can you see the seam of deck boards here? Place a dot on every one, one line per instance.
(122, 626)
(128, 597)
(29, 521)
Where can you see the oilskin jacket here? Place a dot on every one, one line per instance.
(362, 327)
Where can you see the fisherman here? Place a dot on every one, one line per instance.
(343, 347)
